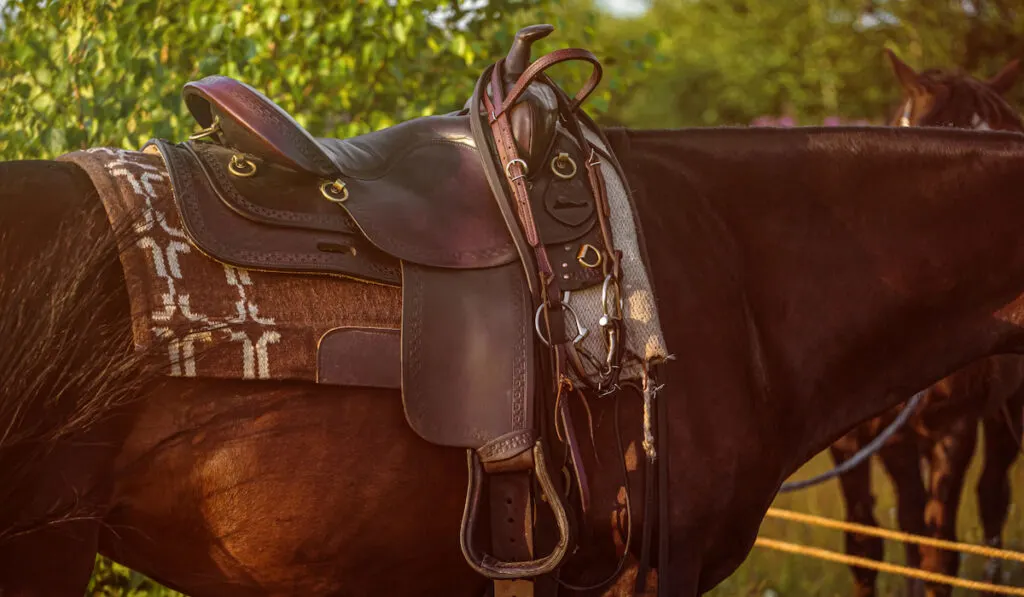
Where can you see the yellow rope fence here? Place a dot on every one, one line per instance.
(841, 558)
(979, 550)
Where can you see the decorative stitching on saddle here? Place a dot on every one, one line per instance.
(282, 124)
(192, 219)
(412, 331)
(515, 444)
(341, 220)
(519, 365)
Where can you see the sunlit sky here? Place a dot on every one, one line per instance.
(624, 8)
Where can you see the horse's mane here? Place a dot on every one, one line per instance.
(959, 96)
(66, 360)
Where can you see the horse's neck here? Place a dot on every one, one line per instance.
(838, 271)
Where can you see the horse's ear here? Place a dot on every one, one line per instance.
(1004, 81)
(906, 75)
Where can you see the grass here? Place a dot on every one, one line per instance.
(770, 573)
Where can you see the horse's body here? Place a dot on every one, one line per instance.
(945, 429)
(807, 279)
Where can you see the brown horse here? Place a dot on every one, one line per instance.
(808, 279)
(944, 430)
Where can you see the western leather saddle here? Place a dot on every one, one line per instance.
(465, 212)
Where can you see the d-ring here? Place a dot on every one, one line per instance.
(508, 168)
(334, 190)
(241, 166)
(561, 159)
(582, 254)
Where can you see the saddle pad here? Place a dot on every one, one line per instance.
(217, 320)
(644, 337)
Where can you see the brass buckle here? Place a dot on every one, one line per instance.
(508, 169)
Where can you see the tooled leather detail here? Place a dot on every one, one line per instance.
(337, 222)
(276, 121)
(506, 446)
(519, 371)
(412, 333)
(185, 192)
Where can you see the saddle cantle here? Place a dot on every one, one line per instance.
(489, 219)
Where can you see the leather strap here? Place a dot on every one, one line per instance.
(511, 506)
(542, 64)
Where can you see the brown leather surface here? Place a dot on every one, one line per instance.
(274, 196)
(511, 516)
(467, 354)
(369, 357)
(427, 203)
(253, 123)
(222, 234)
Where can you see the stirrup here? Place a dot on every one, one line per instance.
(488, 565)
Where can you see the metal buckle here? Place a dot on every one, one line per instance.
(508, 169)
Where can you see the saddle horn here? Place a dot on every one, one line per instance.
(518, 58)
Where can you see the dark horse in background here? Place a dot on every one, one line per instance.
(944, 429)
(808, 279)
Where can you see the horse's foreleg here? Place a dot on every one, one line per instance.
(950, 457)
(856, 488)
(902, 461)
(53, 561)
(1002, 447)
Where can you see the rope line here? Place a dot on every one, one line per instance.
(841, 558)
(864, 453)
(980, 550)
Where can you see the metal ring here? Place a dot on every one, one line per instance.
(582, 253)
(241, 166)
(581, 332)
(508, 168)
(209, 131)
(604, 296)
(561, 158)
(334, 190)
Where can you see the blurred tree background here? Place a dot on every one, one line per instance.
(87, 73)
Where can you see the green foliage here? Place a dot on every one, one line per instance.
(730, 61)
(110, 579)
(99, 72)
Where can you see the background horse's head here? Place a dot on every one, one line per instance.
(941, 97)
